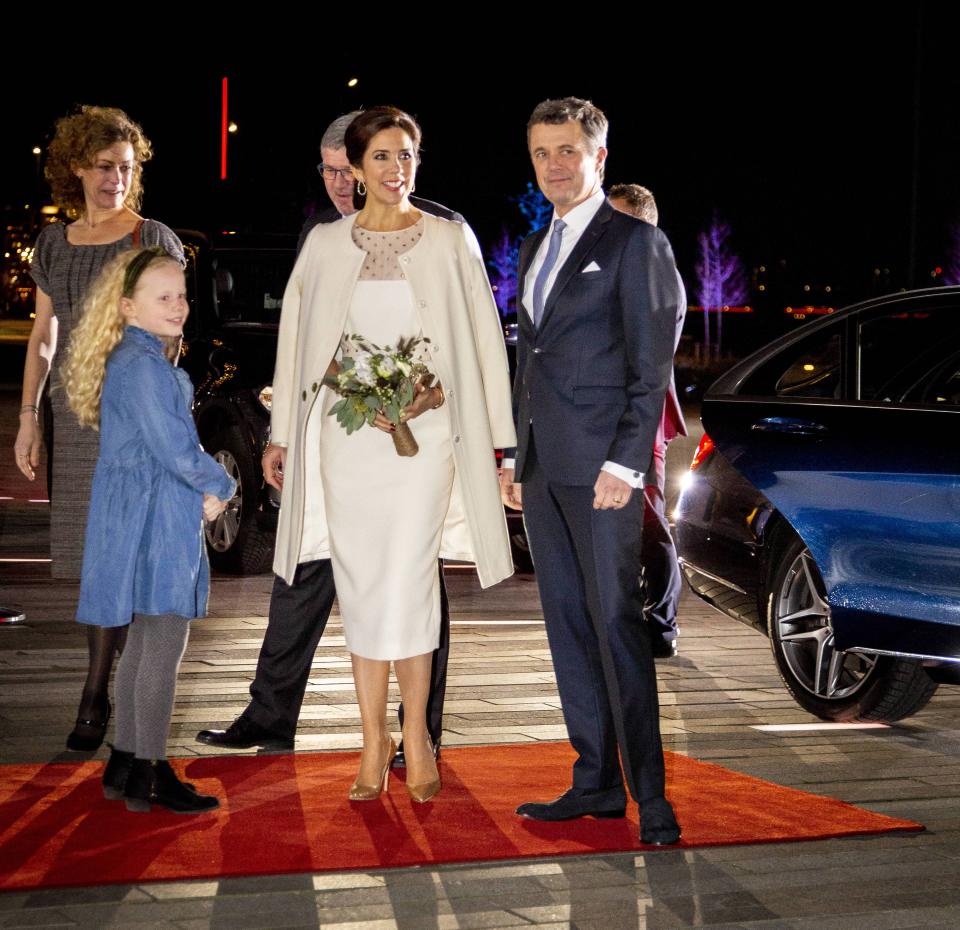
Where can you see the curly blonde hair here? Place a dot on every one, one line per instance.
(76, 141)
(101, 328)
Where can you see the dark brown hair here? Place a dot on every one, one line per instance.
(641, 201)
(370, 122)
(76, 141)
(572, 109)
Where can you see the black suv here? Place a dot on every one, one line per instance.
(235, 284)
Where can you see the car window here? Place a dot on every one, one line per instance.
(940, 387)
(900, 352)
(811, 367)
(250, 284)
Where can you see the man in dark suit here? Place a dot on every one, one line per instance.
(299, 612)
(661, 568)
(597, 309)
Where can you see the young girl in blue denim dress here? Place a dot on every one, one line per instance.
(144, 560)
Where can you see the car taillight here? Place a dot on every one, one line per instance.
(704, 449)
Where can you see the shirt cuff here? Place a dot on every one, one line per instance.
(631, 477)
(508, 463)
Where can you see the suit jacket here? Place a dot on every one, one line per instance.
(673, 423)
(591, 379)
(331, 215)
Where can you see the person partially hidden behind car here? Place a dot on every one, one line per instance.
(299, 612)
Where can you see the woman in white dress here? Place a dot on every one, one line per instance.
(386, 273)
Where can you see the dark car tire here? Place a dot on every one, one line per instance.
(237, 545)
(824, 681)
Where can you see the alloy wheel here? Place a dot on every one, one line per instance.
(805, 633)
(222, 533)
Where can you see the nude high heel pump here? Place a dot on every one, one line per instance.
(422, 793)
(360, 792)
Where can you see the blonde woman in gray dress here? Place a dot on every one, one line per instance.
(389, 272)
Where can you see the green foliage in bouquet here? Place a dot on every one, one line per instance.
(375, 379)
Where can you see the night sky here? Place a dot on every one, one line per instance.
(806, 134)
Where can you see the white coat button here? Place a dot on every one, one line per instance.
(423, 303)
(456, 439)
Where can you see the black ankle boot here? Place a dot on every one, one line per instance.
(153, 781)
(115, 774)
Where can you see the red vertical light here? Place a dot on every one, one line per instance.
(223, 130)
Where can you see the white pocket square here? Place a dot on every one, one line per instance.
(593, 266)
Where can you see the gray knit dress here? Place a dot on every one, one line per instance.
(64, 272)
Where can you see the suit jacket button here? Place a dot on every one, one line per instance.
(537, 350)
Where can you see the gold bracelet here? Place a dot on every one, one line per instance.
(443, 397)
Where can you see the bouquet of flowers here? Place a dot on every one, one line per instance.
(374, 379)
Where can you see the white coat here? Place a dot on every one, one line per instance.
(452, 295)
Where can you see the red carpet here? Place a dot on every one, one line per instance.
(289, 813)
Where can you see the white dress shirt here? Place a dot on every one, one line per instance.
(577, 220)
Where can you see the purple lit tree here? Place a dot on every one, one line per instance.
(502, 261)
(723, 282)
(503, 270)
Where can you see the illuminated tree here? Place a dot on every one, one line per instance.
(536, 209)
(503, 270)
(503, 257)
(723, 282)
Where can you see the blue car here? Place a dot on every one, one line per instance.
(823, 504)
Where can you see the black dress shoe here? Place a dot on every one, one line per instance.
(88, 734)
(577, 802)
(658, 826)
(153, 781)
(244, 734)
(400, 760)
(664, 648)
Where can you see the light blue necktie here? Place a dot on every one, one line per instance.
(541, 282)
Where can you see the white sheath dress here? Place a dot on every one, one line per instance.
(385, 512)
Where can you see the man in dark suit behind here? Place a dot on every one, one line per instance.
(299, 612)
(661, 569)
(597, 306)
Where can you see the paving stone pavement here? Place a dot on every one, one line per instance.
(501, 689)
(713, 695)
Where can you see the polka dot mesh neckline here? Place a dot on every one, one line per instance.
(384, 249)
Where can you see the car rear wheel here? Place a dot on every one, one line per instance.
(236, 543)
(826, 681)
